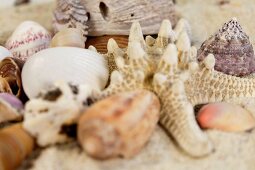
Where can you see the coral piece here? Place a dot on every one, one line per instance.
(15, 145)
(225, 117)
(70, 14)
(10, 70)
(69, 37)
(27, 39)
(232, 50)
(119, 125)
(51, 117)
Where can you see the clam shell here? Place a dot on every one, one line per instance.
(100, 43)
(15, 145)
(4, 53)
(69, 37)
(28, 38)
(225, 117)
(68, 64)
(232, 50)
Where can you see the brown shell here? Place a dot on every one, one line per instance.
(70, 14)
(10, 71)
(15, 145)
(119, 125)
(232, 50)
(100, 43)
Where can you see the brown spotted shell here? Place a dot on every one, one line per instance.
(70, 14)
(10, 72)
(232, 50)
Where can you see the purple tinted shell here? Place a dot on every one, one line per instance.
(12, 100)
(232, 50)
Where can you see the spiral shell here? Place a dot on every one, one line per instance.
(28, 38)
(232, 50)
(68, 64)
(69, 37)
(119, 125)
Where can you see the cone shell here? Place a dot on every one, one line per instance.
(10, 71)
(232, 50)
(28, 38)
(15, 145)
(69, 37)
(68, 64)
(119, 125)
(4, 53)
(225, 117)
(100, 43)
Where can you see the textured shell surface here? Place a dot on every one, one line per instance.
(69, 64)
(119, 125)
(4, 53)
(70, 14)
(49, 117)
(28, 38)
(232, 50)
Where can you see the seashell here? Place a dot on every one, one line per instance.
(28, 38)
(100, 43)
(232, 50)
(10, 107)
(225, 117)
(119, 125)
(70, 37)
(70, 14)
(15, 145)
(10, 70)
(69, 64)
(4, 53)
(51, 117)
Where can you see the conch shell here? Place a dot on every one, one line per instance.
(10, 74)
(119, 125)
(70, 37)
(232, 50)
(15, 145)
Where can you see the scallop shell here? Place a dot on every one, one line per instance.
(28, 38)
(15, 145)
(70, 14)
(69, 37)
(4, 53)
(10, 70)
(225, 117)
(68, 64)
(232, 50)
(100, 43)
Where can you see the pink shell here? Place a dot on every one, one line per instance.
(28, 38)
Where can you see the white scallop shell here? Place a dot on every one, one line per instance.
(68, 64)
(4, 53)
(28, 38)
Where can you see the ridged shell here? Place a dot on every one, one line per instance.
(15, 145)
(232, 50)
(69, 64)
(119, 125)
(4, 53)
(68, 37)
(70, 14)
(100, 43)
(28, 38)
(225, 117)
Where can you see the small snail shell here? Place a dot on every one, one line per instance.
(70, 37)
(15, 145)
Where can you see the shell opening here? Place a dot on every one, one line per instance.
(104, 10)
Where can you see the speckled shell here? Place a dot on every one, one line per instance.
(28, 38)
(70, 14)
(4, 53)
(119, 125)
(10, 70)
(68, 64)
(232, 50)
(15, 145)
